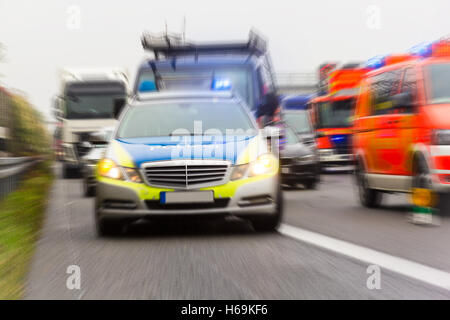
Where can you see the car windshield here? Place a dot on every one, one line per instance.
(335, 114)
(201, 78)
(439, 83)
(298, 120)
(186, 118)
(93, 101)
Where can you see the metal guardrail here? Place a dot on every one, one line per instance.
(11, 170)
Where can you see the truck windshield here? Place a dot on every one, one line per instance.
(186, 118)
(298, 120)
(93, 101)
(439, 83)
(335, 114)
(201, 78)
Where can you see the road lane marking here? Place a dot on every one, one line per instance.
(401, 266)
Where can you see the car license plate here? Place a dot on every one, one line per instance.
(186, 197)
(285, 170)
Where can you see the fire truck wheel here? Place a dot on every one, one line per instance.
(369, 198)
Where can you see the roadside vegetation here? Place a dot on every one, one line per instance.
(21, 216)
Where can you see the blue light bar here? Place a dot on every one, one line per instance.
(375, 62)
(424, 50)
(147, 86)
(221, 84)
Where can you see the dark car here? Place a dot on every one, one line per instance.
(299, 161)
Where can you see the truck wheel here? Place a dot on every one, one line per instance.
(369, 198)
(268, 223)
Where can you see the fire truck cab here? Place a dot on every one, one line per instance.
(332, 115)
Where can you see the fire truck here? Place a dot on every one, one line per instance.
(332, 114)
(402, 128)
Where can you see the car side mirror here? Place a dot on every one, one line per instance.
(271, 132)
(118, 107)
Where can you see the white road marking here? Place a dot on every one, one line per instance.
(402, 266)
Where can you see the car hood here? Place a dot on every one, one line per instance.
(295, 150)
(136, 151)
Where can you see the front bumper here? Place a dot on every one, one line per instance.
(299, 171)
(132, 200)
(327, 160)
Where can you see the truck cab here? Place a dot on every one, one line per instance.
(332, 114)
(86, 103)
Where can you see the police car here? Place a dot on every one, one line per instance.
(189, 154)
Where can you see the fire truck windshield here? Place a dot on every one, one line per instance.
(439, 83)
(335, 114)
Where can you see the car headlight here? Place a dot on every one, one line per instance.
(441, 137)
(326, 152)
(239, 171)
(133, 175)
(267, 163)
(306, 159)
(109, 169)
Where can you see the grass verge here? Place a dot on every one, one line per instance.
(21, 216)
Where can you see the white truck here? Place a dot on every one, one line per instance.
(88, 102)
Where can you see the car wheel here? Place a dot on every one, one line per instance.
(66, 172)
(268, 223)
(369, 198)
(89, 191)
(311, 184)
(108, 226)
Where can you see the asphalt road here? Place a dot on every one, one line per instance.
(228, 260)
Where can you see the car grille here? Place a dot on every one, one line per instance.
(286, 161)
(187, 175)
(344, 146)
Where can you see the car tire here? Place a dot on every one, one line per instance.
(108, 226)
(311, 184)
(268, 223)
(67, 172)
(89, 191)
(369, 198)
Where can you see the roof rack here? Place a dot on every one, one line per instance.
(172, 45)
